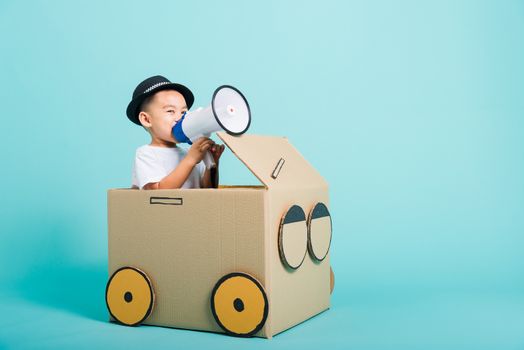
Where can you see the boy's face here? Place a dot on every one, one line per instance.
(161, 114)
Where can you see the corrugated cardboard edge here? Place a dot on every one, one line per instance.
(267, 278)
(267, 326)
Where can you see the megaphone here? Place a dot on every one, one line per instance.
(228, 111)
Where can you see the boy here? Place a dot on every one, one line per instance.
(158, 105)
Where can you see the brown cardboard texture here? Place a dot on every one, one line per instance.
(238, 259)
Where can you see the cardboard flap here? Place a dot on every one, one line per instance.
(273, 160)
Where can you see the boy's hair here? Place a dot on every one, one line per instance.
(143, 107)
(145, 103)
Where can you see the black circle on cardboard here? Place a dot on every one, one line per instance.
(150, 308)
(238, 304)
(293, 214)
(215, 113)
(266, 304)
(319, 210)
(128, 297)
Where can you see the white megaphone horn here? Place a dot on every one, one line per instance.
(228, 111)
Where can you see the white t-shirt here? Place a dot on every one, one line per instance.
(153, 163)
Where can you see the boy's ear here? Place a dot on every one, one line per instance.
(145, 119)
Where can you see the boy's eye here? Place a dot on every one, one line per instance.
(171, 111)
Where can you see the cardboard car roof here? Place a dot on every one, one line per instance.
(274, 161)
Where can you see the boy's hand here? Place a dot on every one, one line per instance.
(216, 151)
(199, 148)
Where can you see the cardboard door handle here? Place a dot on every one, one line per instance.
(278, 167)
(166, 200)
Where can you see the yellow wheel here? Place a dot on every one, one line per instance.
(239, 304)
(129, 296)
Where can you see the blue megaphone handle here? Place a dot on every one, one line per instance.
(178, 133)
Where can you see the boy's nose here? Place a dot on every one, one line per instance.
(180, 117)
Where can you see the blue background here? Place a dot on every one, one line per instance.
(413, 111)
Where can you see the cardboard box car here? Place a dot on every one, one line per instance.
(244, 260)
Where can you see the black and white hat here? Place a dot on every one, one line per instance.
(150, 86)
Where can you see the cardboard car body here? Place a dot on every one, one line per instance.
(186, 240)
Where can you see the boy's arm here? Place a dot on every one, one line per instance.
(176, 178)
(210, 178)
